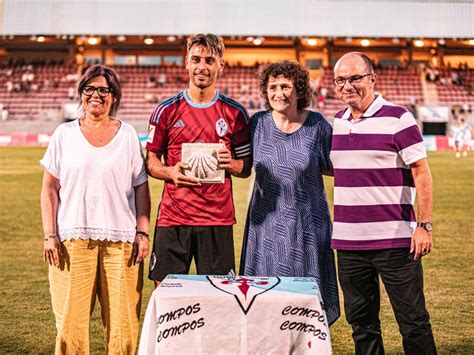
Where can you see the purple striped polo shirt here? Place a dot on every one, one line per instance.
(374, 190)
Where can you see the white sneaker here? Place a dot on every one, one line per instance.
(464, 154)
(458, 155)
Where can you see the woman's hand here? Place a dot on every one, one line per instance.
(52, 250)
(140, 248)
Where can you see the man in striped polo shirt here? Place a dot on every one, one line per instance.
(379, 162)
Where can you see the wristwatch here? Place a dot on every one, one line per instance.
(427, 226)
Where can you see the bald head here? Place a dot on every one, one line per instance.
(355, 81)
(356, 56)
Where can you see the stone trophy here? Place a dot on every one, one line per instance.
(202, 162)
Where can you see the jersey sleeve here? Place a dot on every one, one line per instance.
(408, 139)
(241, 135)
(157, 137)
(51, 160)
(139, 175)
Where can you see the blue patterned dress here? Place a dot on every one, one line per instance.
(288, 228)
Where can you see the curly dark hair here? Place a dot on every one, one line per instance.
(294, 71)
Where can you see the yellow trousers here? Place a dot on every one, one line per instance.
(87, 269)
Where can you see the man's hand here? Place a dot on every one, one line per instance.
(421, 243)
(224, 156)
(157, 169)
(181, 180)
(140, 248)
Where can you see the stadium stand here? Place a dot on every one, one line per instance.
(51, 86)
(450, 93)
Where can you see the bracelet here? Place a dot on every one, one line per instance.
(50, 236)
(143, 234)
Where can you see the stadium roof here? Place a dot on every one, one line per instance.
(369, 18)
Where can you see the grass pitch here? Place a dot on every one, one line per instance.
(27, 321)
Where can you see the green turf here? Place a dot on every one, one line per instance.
(27, 322)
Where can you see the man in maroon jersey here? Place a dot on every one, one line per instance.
(196, 219)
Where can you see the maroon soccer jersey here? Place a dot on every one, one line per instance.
(178, 120)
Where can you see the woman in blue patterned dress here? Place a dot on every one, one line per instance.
(288, 228)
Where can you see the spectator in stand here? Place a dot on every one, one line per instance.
(25, 84)
(244, 89)
(46, 84)
(457, 78)
(9, 86)
(151, 82)
(162, 79)
(71, 93)
(251, 104)
(71, 77)
(432, 74)
(4, 113)
(315, 85)
(30, 78)
(150, 98)
(320, 102)
(95, 206)
(323, 91)
(288, 228)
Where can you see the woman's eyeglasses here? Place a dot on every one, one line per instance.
(102, 91)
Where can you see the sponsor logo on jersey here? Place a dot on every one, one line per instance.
(180, 123)
(221, 127)
(151, 133)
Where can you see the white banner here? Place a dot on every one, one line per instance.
(241, 315)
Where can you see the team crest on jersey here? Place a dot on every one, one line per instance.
(151, 133)
(221, 127)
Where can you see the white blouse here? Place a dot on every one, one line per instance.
(96, 195)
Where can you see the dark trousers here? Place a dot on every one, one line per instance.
(403, 279)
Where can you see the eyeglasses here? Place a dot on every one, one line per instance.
(102, 91)
(355, 79)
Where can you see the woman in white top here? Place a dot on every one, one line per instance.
(95, 206)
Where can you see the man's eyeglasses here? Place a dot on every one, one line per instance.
(355, 79)
(102, 91)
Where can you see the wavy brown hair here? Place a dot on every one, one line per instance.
(293, 71)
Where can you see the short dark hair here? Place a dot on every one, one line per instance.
(293, 71)
(213, 43)
(113, 81)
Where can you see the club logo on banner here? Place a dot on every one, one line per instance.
(244, 289)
